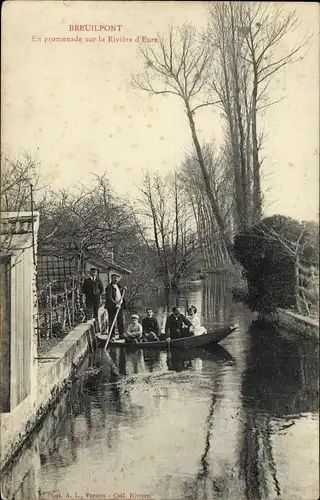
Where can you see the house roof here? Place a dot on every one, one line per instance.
(107, 264)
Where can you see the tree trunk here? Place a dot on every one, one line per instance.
(206, 178)
(257, 199)
(239, 121)
(297, 284)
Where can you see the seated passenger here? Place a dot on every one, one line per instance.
(177, 325)
(134, 330)
(150, 327)
(195, 320)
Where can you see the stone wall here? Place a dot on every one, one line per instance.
(307, 327)
(24, 469)
(54, 372)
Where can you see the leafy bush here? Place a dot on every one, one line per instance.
(269, 253)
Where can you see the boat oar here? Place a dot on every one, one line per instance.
(114, 321)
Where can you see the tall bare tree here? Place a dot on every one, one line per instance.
(248, 40)
(20, 184)
(182, 66)
(221, 181)
(18, 176)
(172, 227)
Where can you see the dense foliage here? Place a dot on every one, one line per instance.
(273, 253)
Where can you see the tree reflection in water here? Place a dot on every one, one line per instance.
(205, 486)
(214, 304)
(278, 383)
(256, 458)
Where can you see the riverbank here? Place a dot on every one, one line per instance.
(303, 325)
(54, 370)
(306, 326)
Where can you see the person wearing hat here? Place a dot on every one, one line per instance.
(92, 288)
(134, 330)
(177, 325)
(114, 303)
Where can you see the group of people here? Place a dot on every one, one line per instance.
(92, 288)
(146, 331)
(177, 324)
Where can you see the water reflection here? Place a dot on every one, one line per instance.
(280, 381)
(282, 373)
(224, 422)
(193, 358)
(206, 486)
(152, 359)
(178, 361)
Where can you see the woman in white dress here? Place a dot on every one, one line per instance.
(195, 320)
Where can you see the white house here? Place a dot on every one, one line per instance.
(18, 378)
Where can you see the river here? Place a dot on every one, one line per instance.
(239, 421)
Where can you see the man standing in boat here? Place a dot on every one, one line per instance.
(177, 325)
(115, 303)
(92, 288)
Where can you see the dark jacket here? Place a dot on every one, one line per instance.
(174, 325)
(92, 288)
(150, 325)
(111, 297)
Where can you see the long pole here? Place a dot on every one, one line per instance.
(50, 311)
(114, 321)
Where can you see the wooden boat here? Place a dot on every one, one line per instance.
(211, 337)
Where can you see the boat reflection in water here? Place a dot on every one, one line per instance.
(139, 361)
(180, 360)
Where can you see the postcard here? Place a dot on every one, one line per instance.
(159, 250)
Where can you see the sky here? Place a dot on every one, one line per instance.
(72, 104)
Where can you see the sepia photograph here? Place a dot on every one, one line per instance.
(159, 250)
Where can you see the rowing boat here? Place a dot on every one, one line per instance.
(211, 337)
